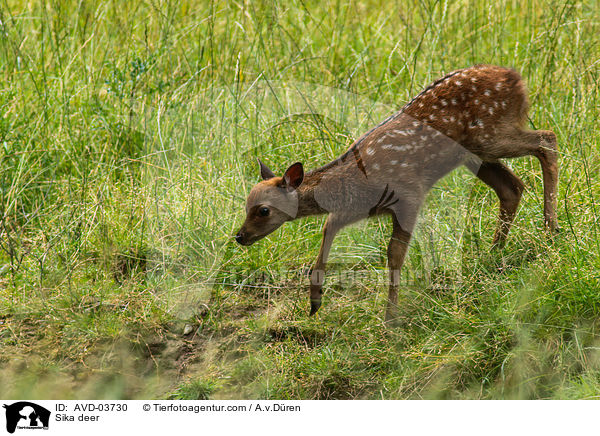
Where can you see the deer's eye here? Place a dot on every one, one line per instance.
(263, 211)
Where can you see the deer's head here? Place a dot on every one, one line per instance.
(270, 203)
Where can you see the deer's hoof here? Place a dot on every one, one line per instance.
(314, 306)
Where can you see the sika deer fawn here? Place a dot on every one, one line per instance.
(471, 117)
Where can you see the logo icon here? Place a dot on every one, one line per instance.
(26, 415)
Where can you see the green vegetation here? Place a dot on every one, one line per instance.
(128, 137)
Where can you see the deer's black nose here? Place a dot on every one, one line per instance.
(239, 238)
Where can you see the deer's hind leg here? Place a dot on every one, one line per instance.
(542, 144)
(547, 154)
(509, 189)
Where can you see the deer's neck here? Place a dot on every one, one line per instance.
(311, 203)
(307, 204)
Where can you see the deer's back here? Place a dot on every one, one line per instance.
(463, 111)
(469, 106)
(472, 104)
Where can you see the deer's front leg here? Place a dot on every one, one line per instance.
(396, 252)
(317, 274)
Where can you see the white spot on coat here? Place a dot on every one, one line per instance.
(401, 147)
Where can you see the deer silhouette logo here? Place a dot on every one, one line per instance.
(27, 414)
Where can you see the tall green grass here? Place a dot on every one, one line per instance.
(128, 138)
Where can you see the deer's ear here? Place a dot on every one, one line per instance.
(265, 172)
(293, 176)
